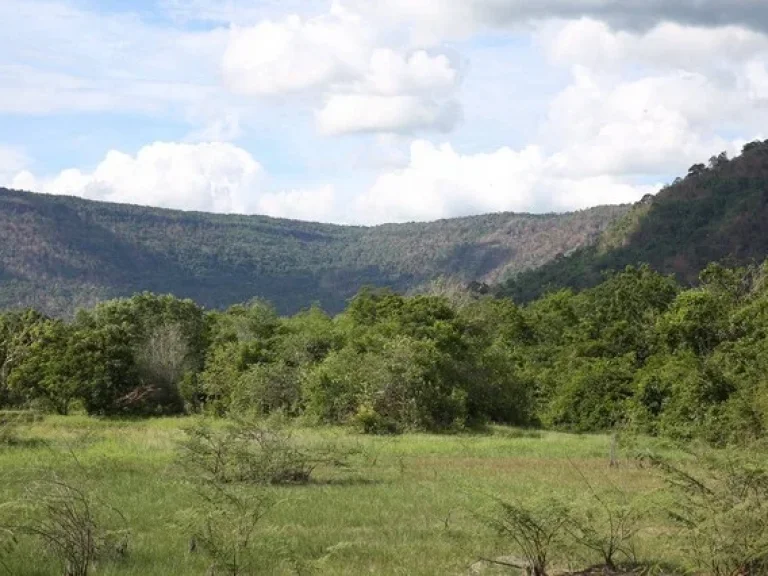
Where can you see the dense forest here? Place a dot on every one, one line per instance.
(717, 213)
(637, 351)
(60, 253)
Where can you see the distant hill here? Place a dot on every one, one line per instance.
(717, 213)
(58, 253)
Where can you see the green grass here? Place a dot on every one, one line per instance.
(409, 505)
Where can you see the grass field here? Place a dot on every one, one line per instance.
(409, 505)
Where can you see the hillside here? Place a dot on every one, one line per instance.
(717, 213)
(58, 253)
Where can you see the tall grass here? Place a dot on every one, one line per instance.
(407, 507)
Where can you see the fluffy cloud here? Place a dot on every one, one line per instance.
(213, 177)
(391, 73)
(366, 87)
(437, 182)
(641, 106)
(295, 54)
(690, 86)
(210, 177)
(654, 125)
(396, 94)
(669, 45)
(442, 183)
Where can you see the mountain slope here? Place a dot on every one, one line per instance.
(58, 253)
(718, 213)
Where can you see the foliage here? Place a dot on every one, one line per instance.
(250, 452)
(635, 351)
(720, 503)
(593, 395)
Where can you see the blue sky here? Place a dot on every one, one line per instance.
(359, 112)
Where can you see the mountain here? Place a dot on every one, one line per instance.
(717, 213)
(58, 253)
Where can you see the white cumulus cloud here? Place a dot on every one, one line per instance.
(440, 182)
(295, 54)
(215, 177)
(339, 59)
(391, 73)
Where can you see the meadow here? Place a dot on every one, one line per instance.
(412, 504)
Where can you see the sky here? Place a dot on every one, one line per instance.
(373, 111)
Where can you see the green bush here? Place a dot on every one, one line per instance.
(250, 452)
(593, 395)
(720, 501)
(267, 388)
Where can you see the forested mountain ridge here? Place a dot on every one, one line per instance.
(59, 253)
(717, 213)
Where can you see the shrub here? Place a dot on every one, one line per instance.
(371, 422)
(223, 528)
(534, 528)
(721, 503)
(266, 389)
(74, 525)
(250, 452)
(607, 526)
(593, 395)
(405, 381)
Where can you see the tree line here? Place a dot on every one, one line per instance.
(636, 351)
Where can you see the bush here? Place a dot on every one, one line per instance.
(406, 382)
(607, 526)
(371, 422)
(223, 528)
(266, 389)
(721, 503)
(593, 395)
(74, 525)
(249, 452)
(535, 529)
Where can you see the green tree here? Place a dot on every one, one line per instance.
(46, 371)
(593, 394)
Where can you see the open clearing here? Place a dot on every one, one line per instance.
(408, 505)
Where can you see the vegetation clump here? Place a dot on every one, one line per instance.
(73, 524)
(251, 452)
(720, 501)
